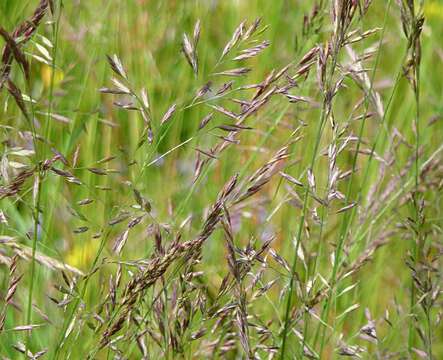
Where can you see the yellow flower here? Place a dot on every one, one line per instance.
(81, 255)
(434, 9)
(46, 74)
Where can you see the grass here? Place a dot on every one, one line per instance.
(181, 180)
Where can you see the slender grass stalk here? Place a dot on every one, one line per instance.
(418, 239)
(37, 194)
(36, 214)
(323, 116)
(345, 224)
(197, 269)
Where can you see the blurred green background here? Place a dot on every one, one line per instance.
(147, 36)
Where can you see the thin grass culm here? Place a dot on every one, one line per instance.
(221, 179)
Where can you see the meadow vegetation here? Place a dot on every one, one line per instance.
(221, 179)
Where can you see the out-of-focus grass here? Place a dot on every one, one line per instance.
(147, 36)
